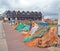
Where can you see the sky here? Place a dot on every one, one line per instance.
(47, 7)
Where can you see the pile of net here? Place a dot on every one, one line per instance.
(21, 27)
(40, 35)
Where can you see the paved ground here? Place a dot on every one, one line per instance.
(54, 49)
(3, 44)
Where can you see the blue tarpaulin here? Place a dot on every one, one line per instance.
(43, 24)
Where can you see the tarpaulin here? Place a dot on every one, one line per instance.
(22, 27)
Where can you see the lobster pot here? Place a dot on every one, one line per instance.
(59, 23)
(59, 30)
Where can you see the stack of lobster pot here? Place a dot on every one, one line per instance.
(59, 23)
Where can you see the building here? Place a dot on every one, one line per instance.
(24, 15)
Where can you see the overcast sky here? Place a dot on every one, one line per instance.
(45, 6)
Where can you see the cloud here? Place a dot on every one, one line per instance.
(45, 6)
